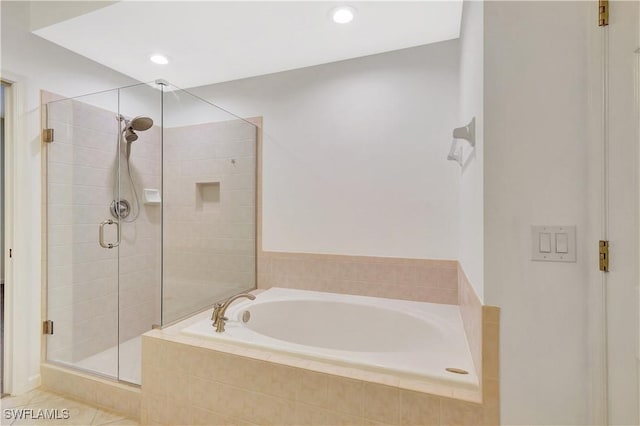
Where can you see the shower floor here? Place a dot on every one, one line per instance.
(130, 361)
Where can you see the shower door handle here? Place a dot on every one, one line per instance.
(109, 245)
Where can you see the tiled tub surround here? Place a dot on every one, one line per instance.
(191, 380)
(424, 280)
(82, 283)
(370, 333)
(471, 311)
(209, 214)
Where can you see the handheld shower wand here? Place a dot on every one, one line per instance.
(121, 208)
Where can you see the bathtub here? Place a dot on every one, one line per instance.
(415, 339)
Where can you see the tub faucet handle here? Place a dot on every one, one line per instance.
(220, 324)
(215, 315)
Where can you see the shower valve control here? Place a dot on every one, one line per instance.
(553, 243)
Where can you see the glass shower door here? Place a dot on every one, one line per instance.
(82, 235)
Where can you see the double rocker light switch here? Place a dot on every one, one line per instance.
(553, 243)
(562, 242)
(545, 242)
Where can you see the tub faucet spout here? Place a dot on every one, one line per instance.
(219, 310)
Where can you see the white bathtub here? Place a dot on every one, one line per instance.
(414, 339)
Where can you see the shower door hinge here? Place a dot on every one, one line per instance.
(47, 135)
(603, 246)
(603, 13)
(47, 327)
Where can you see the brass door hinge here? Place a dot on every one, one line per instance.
(604, 255)
(47, 135)
(47, 327)
(603, 13)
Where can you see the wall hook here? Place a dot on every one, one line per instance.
(467, 132)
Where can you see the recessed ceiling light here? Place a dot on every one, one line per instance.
(343, 14)
(159, 59)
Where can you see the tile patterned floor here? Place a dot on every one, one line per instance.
(79, 414)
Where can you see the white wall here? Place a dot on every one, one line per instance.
(355, 153)
(535, 94)
(35, 64)
(471, 210)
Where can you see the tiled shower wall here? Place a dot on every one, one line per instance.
(83, 277)
(209, 214)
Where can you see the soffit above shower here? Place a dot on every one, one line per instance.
(211, 42)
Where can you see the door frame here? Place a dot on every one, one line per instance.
(599, 107)
(11, 93)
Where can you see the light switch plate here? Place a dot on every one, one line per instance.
(568, 232)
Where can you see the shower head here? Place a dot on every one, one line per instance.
(141, 123)
(130, 135)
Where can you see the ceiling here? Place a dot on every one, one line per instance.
(210, 41)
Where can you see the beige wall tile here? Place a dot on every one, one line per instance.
(122, 399)
(200, 416)
(410, 279)
(345, 396)
(471, 312)
(459, 413)
(176, 413)
(341, 419)
(313, 388)
(372, 423)
(491, 389)
(490, 350)
(309, 415)
(154, 381)
(418, 408)
(268, 410)
(203, 394)
(145, 417)
(119, 399)
(382, 403)
(156, 406)
(277, 380)
(491, 313)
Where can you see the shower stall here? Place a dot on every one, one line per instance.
(151, 217)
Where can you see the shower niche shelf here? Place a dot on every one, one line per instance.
(152, 196)
(208, 196)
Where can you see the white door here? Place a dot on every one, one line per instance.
(622, 186)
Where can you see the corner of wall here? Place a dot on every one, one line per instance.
(471, 201)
